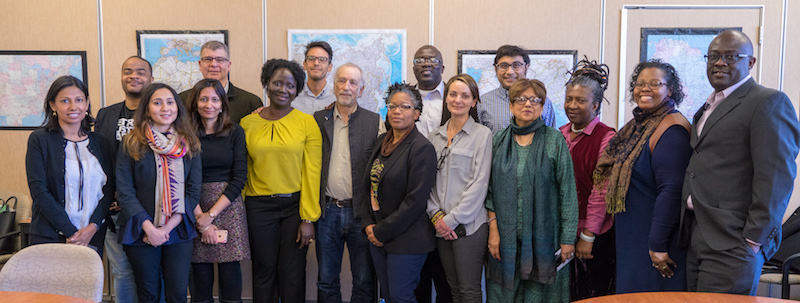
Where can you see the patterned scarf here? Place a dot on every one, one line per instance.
(169, 149)
(616, 163)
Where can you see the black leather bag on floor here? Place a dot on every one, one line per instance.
(7, 227)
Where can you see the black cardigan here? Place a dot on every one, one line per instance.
(44, 164)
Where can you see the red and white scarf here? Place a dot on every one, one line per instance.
(169, 149)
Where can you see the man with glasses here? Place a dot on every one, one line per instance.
(347, 131)
(741, 174)
(428, 69)
(510, 64)
(215, 64)
(316, 94)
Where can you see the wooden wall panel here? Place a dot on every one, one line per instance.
(45, 25)
(242, 19)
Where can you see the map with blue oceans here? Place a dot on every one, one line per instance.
(381, 55)
(174, 57)
(685, 53)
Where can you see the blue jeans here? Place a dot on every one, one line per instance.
(124, 283)
(398, 274)
(339, 226)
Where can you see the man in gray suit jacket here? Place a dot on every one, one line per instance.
(741, 174)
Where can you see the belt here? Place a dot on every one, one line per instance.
(281, 195)
(346, 203)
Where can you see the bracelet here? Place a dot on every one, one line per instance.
(205, 229)
(307, 221)
(586, 238)
(491, 219)
(438, 215)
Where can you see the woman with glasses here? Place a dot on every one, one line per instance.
(532, 206)
(464, 149)
(400, 177)
(642, 171)
(69, 168)
(592, 274)
(284, 163)
(221, 220)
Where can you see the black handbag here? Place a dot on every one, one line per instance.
(7, 225)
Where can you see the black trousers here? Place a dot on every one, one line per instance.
(597, 276)
(279, 265)
(433, 270)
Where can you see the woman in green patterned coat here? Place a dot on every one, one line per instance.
(532, 203)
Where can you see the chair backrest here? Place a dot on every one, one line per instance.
(62, 269)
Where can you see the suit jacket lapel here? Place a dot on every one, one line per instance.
(397, 152)
(328, 125)
(726, 106)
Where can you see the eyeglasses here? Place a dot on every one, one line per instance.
(218, 59)
(402, 107)
(314, 58)
(523, 100)
(727, 58)
(422, 61)
(442, 158)
(505, 66)
(652, 84)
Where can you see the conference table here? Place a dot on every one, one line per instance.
(675, 297)
(32, 297)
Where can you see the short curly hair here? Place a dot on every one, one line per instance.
(410, 90)
(673, 81)
(273, 65)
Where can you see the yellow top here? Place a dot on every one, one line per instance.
(284, 156)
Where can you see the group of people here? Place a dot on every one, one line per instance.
(452, 183)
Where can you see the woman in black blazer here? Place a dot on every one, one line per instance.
(159, 175)
(69, 170)
(400, 177)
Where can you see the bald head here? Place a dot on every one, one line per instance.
(735, 53)
(428, 67)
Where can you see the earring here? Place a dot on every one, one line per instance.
(54, 114)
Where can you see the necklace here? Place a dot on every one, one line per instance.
(576, 130)
(518, 139)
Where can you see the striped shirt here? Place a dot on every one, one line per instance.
(494, 112)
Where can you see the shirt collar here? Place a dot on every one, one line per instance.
(336, 112)
(307, 91)
(439, 88)
(567, 128)
(467, 128)
(728, 91)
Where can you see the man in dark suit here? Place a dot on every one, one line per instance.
(348, 134)
(215, 63)
(741, 174)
